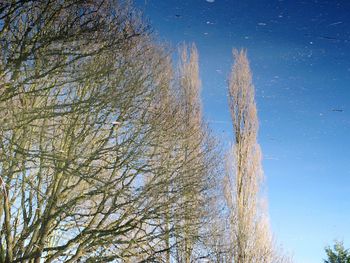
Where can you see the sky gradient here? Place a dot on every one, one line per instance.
(300, 59)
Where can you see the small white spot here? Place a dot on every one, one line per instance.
(262, 24)
(336, 23)
(115, 123)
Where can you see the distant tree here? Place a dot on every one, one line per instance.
(196, 150)
(244, 168)
(338, 254)
(250, 235)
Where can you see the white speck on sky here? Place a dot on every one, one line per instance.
(335, 23)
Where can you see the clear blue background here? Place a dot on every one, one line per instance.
(300, 58)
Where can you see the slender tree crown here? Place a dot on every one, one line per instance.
(250, 237)
(241, 99)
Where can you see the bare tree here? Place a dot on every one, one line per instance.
(189, 84)
(196, 151)
(78, 79)
(102, 156)
(251, 238)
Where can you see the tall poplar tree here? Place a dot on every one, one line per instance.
(250, 236)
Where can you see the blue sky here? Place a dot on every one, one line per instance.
(300, 58)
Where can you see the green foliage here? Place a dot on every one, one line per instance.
(338, 254)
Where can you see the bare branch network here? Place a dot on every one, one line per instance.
(104, 152)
